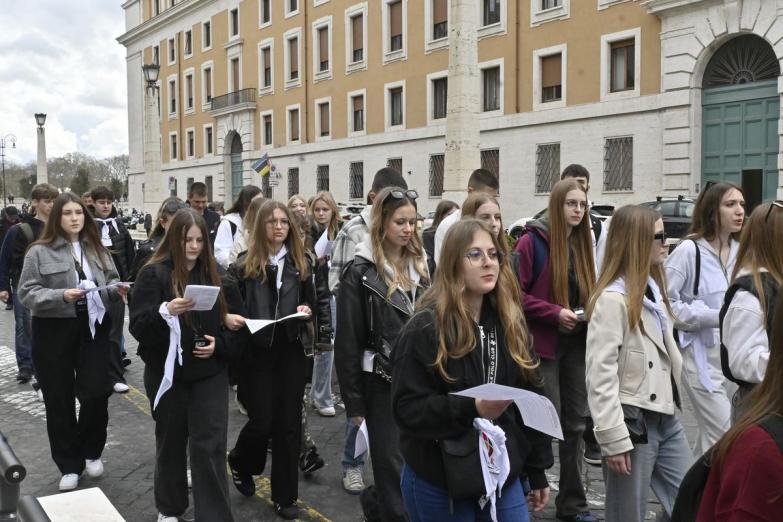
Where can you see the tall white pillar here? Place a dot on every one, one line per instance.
(42, 175)
(154, 190)
(462, 115)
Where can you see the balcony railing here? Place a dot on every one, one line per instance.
(240, 97)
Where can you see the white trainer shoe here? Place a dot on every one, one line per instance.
(327, 411)
(94, 468)
(69, 482)
(120, 387)
(164, 518)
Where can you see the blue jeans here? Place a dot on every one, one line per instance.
(348, 459)
(321, 388)
(23, 332)
(426, 502)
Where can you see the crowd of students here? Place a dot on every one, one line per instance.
(598, 317)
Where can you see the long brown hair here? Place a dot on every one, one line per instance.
(441, 211)
(562, 246)
(88, 235)
(334, 223)
(766, 398)
(631, 236)
(259, 247)
(706, 213)
(760, 248)
(172, 249)
(249, 218)
(383, 209)
(456, 337)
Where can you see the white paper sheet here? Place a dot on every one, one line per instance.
(362, 440)
(323, 247)
(537, 411)
(107, 287)
(255, 325)
(204, 296)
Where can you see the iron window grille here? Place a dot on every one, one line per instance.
(395, 163)
(547, 167)
(356, 180)
(293, 181)
(618, 163)
(436, 175)
(322, 178)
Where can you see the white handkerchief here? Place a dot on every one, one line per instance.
(95, 308)
(174, 353)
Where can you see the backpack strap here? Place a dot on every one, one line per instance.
(540, 250)
(773, 424)
(27, 230)
(233, 227)
(697, 279)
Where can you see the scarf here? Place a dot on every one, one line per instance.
(95, 308)
(278, 260)
(655, 308)
(495, 465)
(105, 224)
(175, 352)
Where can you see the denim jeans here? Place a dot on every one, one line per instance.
(348, 460)
(660, 464)
(426, 502)
(23, 333)
(321, 388)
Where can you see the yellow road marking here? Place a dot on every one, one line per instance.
(263, 484)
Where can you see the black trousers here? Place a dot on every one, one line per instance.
(116, 370)
(72, 365)
(271, 388)
(193, 414)
(384, 448)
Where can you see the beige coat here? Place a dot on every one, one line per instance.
(625, 366)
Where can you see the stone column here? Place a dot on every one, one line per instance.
(42, 175)
(154, 190)
(462, 115)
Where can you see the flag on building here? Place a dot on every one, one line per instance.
(262, 166)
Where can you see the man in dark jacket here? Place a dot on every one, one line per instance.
(198, 200)
(117, 239)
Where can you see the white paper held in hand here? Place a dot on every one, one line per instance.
(362, 440)
(108, 287)
(203, 296)
(323, 247)
(537, 411)
(255, 325)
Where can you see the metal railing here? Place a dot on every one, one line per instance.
(233, 98)
(12, 473)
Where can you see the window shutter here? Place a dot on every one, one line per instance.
(323, 44)
(439, 11)
(551, 70)
(324, 110)
(358, 102)
(294, 114)
(395, 17)
(293, 53)
(358, 32)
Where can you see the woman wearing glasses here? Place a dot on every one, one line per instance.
(633, 370)
(557, 275)
(748, 309)
(698, 272)
(376, 297)
(274, 281)
(468, 320)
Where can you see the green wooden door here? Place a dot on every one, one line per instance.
(236, 166)
(740, 133)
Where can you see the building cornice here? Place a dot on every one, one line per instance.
(659, 6)
(165, 18)
(129, 3)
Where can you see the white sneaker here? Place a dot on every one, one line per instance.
(164, 518)
(353, 482)
(121, 387)
(69, 482)
(94, 468)
(328, 411)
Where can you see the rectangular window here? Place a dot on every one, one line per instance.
(208, 140)
(322, 178)
(293, 124)
(234, 17)
(491, 88)
(490, 160)
(293, 181)
(207, 35)
(293, 58)
(323, 115)
(618, 163)
(191, 139)
(395, 26)
(622, 65)
(208, 84)
(293, 5)
(440, 21)
(172, 50)
(234, 65)
(173, 146)
(550, 4)
(155, 7)
(356, 180)
(156, 55)
(323, 49)
(395, 163)
(266, 58)
(266, 11)
(188, 42)
(551, 78)
(436, 175)
(439, 96)
(208, 183)
(267, 129)
(547, 167)
(189, 92)
(172, 96)
(490, 12)
(357, 106)
(357, 38)
(395, 106)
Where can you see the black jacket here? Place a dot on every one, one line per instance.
(425, 411)
(121, 248)
(143, 254)
(21, 242)
(213, 220)
(366, 320)
(153, 287)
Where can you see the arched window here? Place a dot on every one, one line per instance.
(744, 59)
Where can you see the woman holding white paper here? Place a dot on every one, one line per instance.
(469, 330)
(633, 370)
(71, 334)
(185, 375)
(274, 281)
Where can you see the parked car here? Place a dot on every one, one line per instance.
(601, 212)
(349, 211)
(428, 220)
(677, 215)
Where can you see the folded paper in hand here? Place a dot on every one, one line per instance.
(203, 296)
(537, 411)
(362, 440)
(107, 287)
(255, 325)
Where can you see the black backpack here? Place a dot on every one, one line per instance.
(745, 282)
(686, 506)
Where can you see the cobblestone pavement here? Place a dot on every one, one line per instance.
(130, 452)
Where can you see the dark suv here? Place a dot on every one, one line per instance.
(677, 213)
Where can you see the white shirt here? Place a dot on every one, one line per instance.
(79, 256)
(443, 227)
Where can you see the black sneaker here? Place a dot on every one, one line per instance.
(310, 461)
(593, 453)
(24, 375)
(243, 483)
(289, 512)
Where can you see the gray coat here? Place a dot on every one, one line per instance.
(49, 270)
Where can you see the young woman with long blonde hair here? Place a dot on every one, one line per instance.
(376, 297)
(469, 330)
(633, 370)
(557, 275)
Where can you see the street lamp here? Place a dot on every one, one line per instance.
(8, 138)
(153, 191)
(43, 177)
(40, 118)
(151, 72)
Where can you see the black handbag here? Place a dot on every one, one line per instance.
(634, 421)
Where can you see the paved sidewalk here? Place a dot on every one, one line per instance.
(130, 452)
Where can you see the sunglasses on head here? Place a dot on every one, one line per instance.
(399, 194)
(773, 204)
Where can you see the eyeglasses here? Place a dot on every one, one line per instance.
(772, 205)
(660, 236)
(399, 194)
(476, 256)
(573, 204)
(275, 222)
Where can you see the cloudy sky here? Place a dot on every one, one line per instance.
(61, 57)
